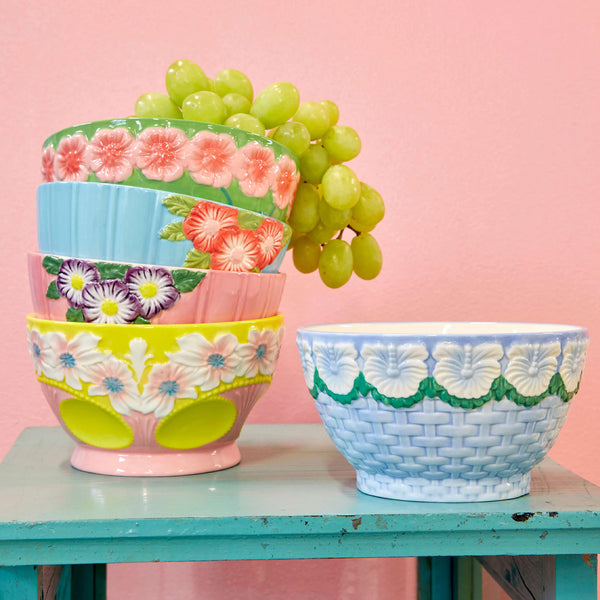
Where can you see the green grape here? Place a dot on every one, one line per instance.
(313, 163)
(204, 106)
(276, 104)
(183, 78)
(246, 122)
(155, 105)
(340, 187)
(332, 109)
(305, 210)
(367, 256)
(320, 233)
(292, 135)
(230, 81)
(306, 254)
(315, 117)
(332, 217)
(236, 103)
(368, 211)
(335, 263)
(293, 239)
(211, 85)
(342, 143)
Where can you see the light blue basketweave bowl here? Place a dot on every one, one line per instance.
(443, 412)
(102, 221)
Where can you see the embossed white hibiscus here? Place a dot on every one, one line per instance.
(337, 366)
(40, 350)
(260, 353)
(70, 360)
(573, 362)
(306, 359)
(166, 383)
(467, 371)
(395, 371)
(112, 377)
(531, 367)
(213, 361)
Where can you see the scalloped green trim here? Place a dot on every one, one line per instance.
(430, 388)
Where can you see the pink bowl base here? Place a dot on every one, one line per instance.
(140, 462)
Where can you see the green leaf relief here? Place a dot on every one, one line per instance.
(112, 270)
(52, 291)
(186, 281)
(52, 264)
(141, 321)
(75, 315)
(195, 259)
(249, 220)
(180, 205)
(173, 232)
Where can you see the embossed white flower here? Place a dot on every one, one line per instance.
(112, 377)
(395, 371)
(40, 350)
(260, 353)
(70, 360)
(337, 366)
(212, 362)
(306, 359)
(573, 362)
(467, 371)
(166, 383)
(531, 366)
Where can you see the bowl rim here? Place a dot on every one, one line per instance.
(439, 329)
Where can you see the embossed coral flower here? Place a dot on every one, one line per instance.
(70, 160)
(204, 223)
(162, 153)
(48, 164)
(285, 182)
(253, 167)
(269, 237)
(235, 250)
(111, 154)
(210, 158)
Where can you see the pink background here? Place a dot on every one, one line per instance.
(480, 127)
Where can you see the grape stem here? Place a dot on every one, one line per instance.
(352, 229)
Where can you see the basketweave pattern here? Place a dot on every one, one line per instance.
(433, 441)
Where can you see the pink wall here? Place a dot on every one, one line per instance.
(480, 127)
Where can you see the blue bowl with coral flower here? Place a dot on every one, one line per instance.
(122, 223)
(446, 412)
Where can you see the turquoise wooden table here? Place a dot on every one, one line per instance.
(293, 496)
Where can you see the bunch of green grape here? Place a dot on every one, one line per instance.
(330, 199)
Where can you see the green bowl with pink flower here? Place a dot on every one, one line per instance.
(205, 160)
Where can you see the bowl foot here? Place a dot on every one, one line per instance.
(141, 463)
(420, 489)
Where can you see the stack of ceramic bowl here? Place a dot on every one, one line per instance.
(156, 289)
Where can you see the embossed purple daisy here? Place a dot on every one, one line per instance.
(74, 274)
(109, 302)
(153, 287)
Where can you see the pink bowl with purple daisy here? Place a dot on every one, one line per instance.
(93, 291)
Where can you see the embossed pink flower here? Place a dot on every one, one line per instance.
(269, 237)
(111, 154)
(162, 153)
(69, 160)
(254, 167)
(235, 250)
(210, 158)
(206, 221)
(48, 164)
(285, 182)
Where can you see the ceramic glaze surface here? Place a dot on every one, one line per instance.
(161, 294)
(443, 417)
(154, 390)
(200, 159)
(127, 224)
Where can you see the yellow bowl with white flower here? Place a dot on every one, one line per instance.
(154, 399)
(443, 412)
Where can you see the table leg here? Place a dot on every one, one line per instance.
(576, 576)
(435, 578)
(18, 583)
